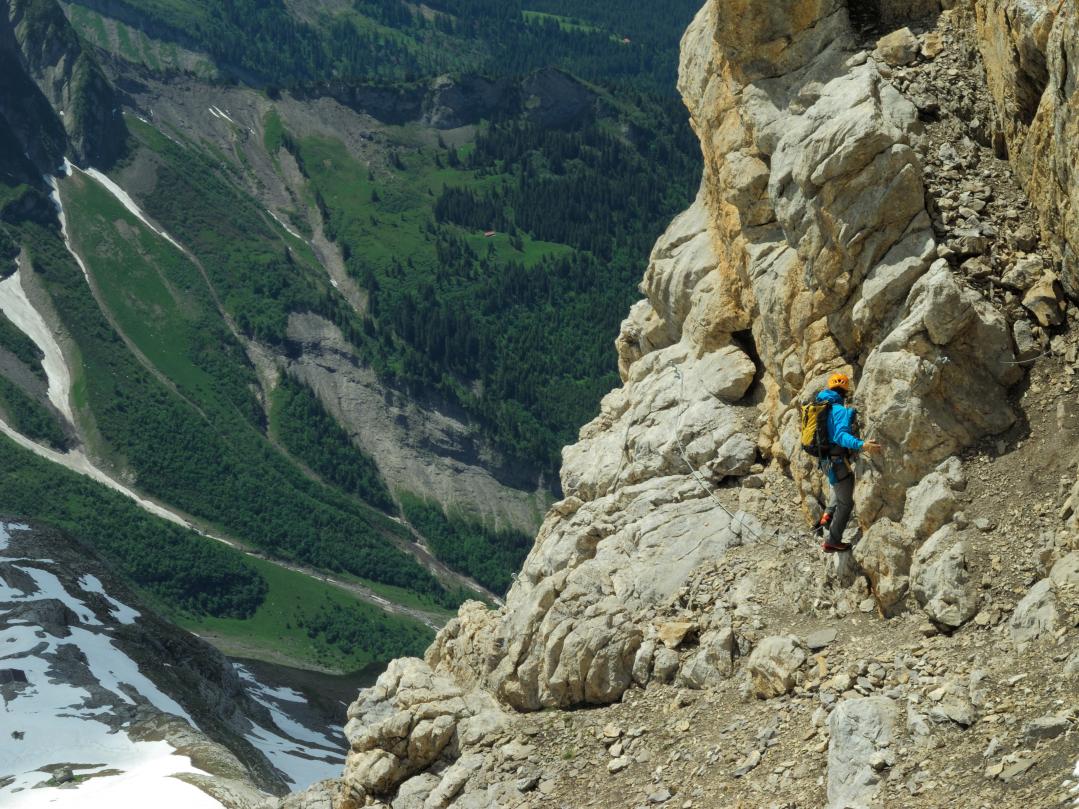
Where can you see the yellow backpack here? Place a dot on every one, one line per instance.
(815, 436)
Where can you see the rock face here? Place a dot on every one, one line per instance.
(805, 147)
(406, 722)
(418, 447)
(1030, 48)
(36, 36)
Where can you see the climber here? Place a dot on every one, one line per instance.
(839, 443)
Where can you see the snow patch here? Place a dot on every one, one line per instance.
(54, 195)
(18, 309)
(5, 532)
(118, 673)
(49, 587)
(49, 723)
(218, 113)
(120, 612)
(282, 223)
(124, 199)
(295, 760)
(303, 755)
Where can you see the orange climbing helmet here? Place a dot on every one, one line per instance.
(839, 381)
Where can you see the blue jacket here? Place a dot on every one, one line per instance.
(840, 429)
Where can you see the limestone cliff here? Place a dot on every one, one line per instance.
(1031, 50)
(817, 244)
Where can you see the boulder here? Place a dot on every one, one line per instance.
(1027, 347)
(1026, 272)
(820, 639)
(941, 579)
(898, 48)
(712, 663)
(954, 705)
(1043, 300)
(642, 663)
(932, 502)
(1045, 727)
(773, 664)
(1036, 616)
(666, 664)
(862, 733)
(1071, 665)
(885, 554)
(672, 633)
(1065, 575)
(933, 45)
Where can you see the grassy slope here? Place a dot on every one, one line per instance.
(195, 581)
(393, 228)
(291, 624)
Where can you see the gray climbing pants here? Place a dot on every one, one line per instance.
(841, 503)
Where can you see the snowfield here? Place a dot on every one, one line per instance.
(49, 722)
(82, 691)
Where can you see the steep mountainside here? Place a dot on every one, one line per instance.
(856, 215)
(102, 695)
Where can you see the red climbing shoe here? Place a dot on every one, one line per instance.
(829, 547)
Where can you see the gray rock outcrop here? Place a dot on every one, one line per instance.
(885, 554)
(1036, 616)
(1029, 48)
(37, 40)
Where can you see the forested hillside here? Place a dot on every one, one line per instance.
(523, 315)
(463, 191)
(388, 40)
